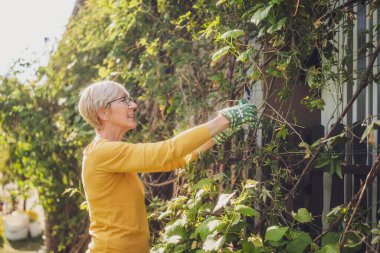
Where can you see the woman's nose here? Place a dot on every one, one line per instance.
(132, 105)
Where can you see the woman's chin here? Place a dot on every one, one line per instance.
(132, 125)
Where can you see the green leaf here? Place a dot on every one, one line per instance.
(247, 247)
(369, 129)
(336, 138)
(273, 2)
(277, 26)
(375, 240)
(175, 228)
(261, 32)
(329, 248)
(205, 228)
(282, 133)
(207, 207)
(299, 245)
(83, 205)
(330, 238)
(213, 245)
(335, 211)
(260, 14)
(236, 217)
(175, 234)
(246, 210)
(204, 184)
(275, 233)
(322, 162)
(223, 200)
(257, 241)
(313, 77)
(243, 57)
(177, 202)
(274, 72)
(250, 183)
(236, 33)
(103, 72)
(302, 215)
(220, 2)
(303, 145)
(164, 214)
(183, 247)
(71, 191)
(214, 225)
(174, 239)
(338, 168)
(299, 241)
(220, 53)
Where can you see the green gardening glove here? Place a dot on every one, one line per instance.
(241, 114)
(227, 133)
(223, 136)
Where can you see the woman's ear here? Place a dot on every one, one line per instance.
(102, 114)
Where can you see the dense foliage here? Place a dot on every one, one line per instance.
(183, 60)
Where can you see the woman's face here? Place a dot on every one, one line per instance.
(122, 112)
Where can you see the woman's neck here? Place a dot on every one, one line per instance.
(110, 135)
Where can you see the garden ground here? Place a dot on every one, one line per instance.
(30, 245)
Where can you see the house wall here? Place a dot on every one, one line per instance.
(292, 110)
(365, 107)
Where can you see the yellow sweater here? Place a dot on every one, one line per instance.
(115, 194)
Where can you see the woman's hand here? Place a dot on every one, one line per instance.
(244, 113)
(223, 136)
(241, 114)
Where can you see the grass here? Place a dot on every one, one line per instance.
(30, 245)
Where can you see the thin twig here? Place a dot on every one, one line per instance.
(163, 184)
(273, 55)
(285, 121)
(295, 12)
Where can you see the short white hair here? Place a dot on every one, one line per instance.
(96, 96)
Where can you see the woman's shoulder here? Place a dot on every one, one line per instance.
(94, 145)
(101, 147)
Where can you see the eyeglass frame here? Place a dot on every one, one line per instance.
(128, 100)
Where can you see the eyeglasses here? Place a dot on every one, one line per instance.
(125, 99)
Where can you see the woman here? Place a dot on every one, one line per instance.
(114, 192)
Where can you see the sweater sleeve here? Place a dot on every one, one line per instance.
(175, 164)
(149, 157)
